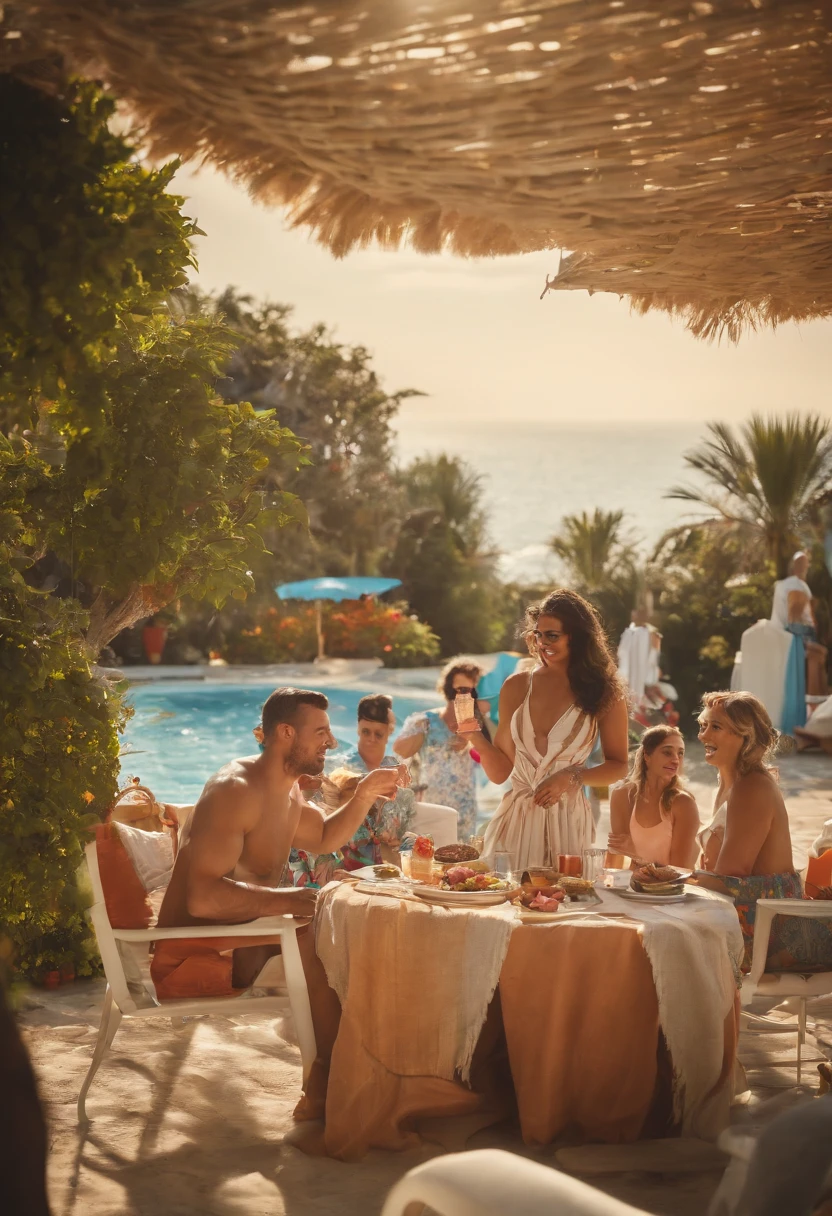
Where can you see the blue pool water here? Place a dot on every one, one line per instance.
(183, 731)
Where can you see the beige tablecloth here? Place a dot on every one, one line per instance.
(572, 1040)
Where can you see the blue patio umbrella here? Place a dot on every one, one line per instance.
(336, 590)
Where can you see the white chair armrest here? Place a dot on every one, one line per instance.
(264, 926)
(490, 1182)
(767, 909)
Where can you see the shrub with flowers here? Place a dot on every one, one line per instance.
(353, 630)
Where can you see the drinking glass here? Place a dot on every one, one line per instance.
(593, 863)
(504, 865)
(569, 864)
(477, 842)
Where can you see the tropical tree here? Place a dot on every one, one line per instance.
(157, 494)
(703, 607)
(90, 237)
(444, 558)
(331, 397)
(125, 479)
(765, 481)
(593, 548)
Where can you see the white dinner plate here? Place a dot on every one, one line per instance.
(463, 899)
(368, 874)
(534, 917)
(644, 898)
(393, 889)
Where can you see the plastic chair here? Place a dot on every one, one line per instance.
(120, 1001)
(490, 1182)
(440, 822)
(779, 986)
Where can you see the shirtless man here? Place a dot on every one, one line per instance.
(236, 844)
(792, 609)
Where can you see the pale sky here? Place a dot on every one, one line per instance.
(474, 335)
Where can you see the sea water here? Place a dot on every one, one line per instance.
(533, 476)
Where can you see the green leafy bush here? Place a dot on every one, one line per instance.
(58, 772)
(90, 237)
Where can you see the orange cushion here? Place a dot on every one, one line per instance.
(128, 906)
(818, 874)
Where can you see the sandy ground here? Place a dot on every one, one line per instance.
(196, 1117)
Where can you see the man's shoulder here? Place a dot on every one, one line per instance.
(235, 780)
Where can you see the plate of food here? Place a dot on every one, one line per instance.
(579, 890)
(541, 903)
(653, 883)
(462, 886)
(381, 874)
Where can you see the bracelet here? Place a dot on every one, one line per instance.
(576, 777)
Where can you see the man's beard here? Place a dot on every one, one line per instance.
(304, 764)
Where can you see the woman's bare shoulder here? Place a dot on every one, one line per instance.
(685, 804)
(756, 790)
(622, 791)
(516, 686)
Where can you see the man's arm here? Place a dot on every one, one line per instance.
(319, 834)
(797, 604)
(220, 822)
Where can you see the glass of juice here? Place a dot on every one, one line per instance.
(421, 859)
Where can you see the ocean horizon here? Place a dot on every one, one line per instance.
(533, 475)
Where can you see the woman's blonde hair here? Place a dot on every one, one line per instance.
(749, 719)
(652, 739)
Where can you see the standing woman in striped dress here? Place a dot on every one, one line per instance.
(549, 721)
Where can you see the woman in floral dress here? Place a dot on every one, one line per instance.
(448, 772)
(388, 821)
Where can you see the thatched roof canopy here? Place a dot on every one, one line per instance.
(683, 150)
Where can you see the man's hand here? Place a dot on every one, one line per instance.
(299, 901)
(307, 783)
(380, 783)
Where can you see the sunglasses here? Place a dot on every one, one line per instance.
(464, 692)
(549, 636)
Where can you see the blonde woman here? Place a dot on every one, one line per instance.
(652, 817)
(748, 846)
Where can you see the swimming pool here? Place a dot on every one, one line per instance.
(183, 731)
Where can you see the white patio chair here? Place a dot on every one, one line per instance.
(490, 1182)
(776, 987)
(134, 999)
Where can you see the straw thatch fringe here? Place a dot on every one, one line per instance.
(682, 150)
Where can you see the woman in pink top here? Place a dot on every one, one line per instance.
(651, 817)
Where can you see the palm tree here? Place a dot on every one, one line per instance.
(593, 549)
(766, 480)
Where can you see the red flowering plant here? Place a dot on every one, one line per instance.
(364, 629)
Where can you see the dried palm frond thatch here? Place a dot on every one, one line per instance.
(683, 151)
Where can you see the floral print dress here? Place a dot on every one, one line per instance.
(449, 775)
(386, 823)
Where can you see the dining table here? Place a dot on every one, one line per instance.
(607, 1021)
